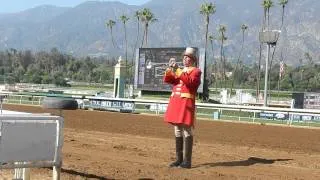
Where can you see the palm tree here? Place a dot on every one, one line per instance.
(137, 15)
(211, 38)
(222, 29)
(283, 4)
(244, 27)
(110, 25)
(206, 10)
(267, 4)
(213, 63)
(147, 17)
(259, 71)
(124, 20)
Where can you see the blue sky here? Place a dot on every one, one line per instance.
(9, 6)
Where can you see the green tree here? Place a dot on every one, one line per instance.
(206, 10)
(59, 79)
(124, 19)
(147, 17)
(47, 79)
(283, 4)
(109, 24)
(267, 4)
(26, 59)
(211, 39)
(213, 63)
(137, 15)
(222, 30)
(243, 28)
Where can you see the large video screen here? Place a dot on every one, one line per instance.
(151, 64)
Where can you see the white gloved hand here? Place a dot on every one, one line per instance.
(185, 70)
(172, 63)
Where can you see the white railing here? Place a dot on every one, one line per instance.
(31, 141)
(203, 109)
(159, 106)
(23, 99)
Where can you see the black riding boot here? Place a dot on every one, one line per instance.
(187, 152)
(179, 153)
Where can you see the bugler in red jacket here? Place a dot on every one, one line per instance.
(181, 106)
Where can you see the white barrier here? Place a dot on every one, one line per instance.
(30, 141)
(159, 106)
(213, 106)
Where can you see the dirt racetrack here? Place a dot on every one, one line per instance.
(107, 145)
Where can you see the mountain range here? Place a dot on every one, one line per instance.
(81, 30)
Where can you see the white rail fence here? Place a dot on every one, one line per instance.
(304, 117)
(30, 141)
(23, 99)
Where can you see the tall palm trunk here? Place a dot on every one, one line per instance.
(282, 19)
(126, 49)
(146, 36)
(133, 55)
(137, 40)
(112, 39)
(224, 71)
(142, 42)
(206, 9)
(282, 16)
(259, 71)
(206, 35)
(221, 60)
(205, 83)
(214, 64)
(238, 61)
(264, 22)
(268, 16)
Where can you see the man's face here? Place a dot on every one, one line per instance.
(187, 61)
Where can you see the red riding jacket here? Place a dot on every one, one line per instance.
(181, 107)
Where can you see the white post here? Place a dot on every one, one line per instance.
(26, 173)
(57, 168)
(56, 172)
(266, 78)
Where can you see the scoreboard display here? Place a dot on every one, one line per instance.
(151, 64)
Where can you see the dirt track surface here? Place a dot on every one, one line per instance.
(106, 145)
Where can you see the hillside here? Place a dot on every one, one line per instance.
(81, 30)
